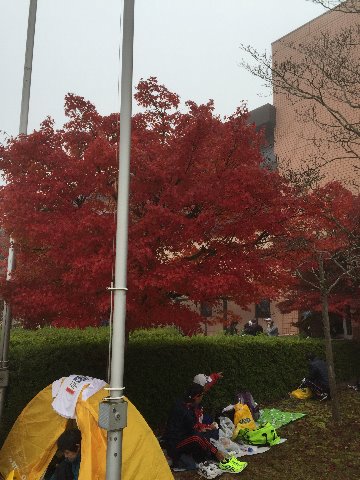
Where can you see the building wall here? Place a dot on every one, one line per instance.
(293, 136)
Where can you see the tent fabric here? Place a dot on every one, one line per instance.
(31, 444)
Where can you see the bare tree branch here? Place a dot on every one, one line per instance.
(351, 6)
(321, 79)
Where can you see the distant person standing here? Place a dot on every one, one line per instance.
(271, 329)
(252, 327)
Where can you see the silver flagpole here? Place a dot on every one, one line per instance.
(24, 115)
(113, 411)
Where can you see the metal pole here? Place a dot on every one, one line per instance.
(113, 411)
(24, 115)
(25, 99)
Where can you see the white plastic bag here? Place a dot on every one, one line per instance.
(227, 446)
(226, 427)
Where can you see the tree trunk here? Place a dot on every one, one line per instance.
(206, 326)
(225, 310)
(330, 359)
(328, 345)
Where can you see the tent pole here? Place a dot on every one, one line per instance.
(24, 116)
(113, 412)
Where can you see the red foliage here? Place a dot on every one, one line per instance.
(327, 223)
(202, 213)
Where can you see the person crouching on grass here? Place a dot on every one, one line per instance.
(187, 441)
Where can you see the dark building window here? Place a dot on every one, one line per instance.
(205, 309)
(262, 309)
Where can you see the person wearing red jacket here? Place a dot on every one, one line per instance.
(185, 443)
(204, 424)
(184, 433)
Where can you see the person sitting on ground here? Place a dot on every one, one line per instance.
(69, 444)
(252, 327)
(186, 443)
(271, 329)
(317, 379)
(207, 382)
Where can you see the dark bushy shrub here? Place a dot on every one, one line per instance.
(160, 364)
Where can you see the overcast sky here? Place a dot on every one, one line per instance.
(192, 46)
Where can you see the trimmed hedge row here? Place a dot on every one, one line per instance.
(161, 363)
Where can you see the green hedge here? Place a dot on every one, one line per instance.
(160, 364)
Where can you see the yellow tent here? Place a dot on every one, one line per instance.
(31, 444)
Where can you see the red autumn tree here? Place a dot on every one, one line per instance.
(326, 224)
(203, 211)
(322, 245)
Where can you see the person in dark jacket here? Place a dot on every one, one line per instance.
(184, 434)
(317, 379)
(69, 444)
(252, 327)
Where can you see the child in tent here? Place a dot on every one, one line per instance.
(69, 444)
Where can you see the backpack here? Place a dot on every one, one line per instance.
(263, 436)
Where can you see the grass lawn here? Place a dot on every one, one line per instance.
(315, 449)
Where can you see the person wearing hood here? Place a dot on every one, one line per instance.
(317, 379)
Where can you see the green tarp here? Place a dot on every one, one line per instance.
(278, 418)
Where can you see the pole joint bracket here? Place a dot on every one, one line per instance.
(113, 414)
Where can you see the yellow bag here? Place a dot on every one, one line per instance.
(243, 417)
(301, 393)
